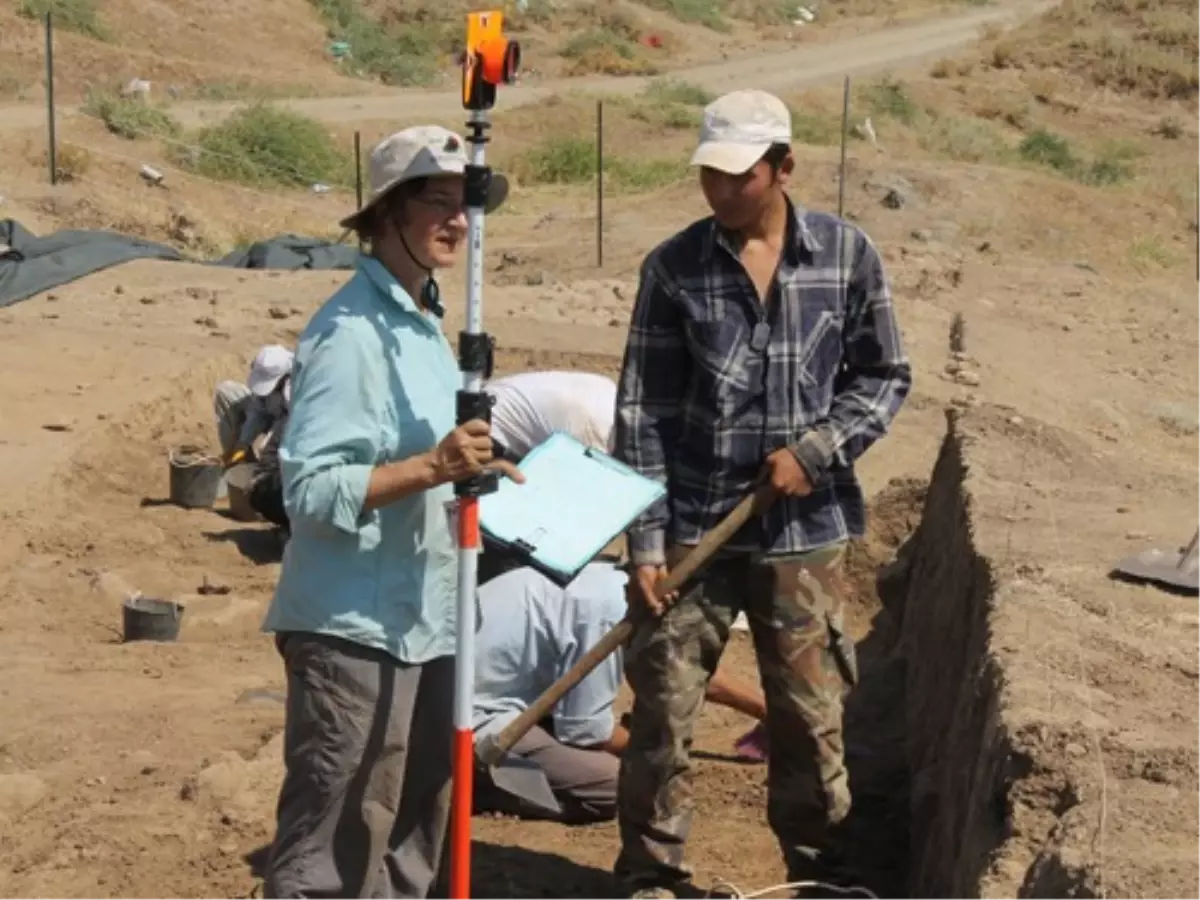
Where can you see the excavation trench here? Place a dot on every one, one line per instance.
(925, 748)
(927, 753)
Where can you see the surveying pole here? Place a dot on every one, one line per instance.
(489, 61)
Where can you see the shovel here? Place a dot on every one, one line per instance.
(494, 750)
(1164, 567)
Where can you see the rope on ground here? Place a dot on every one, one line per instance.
(728, 888)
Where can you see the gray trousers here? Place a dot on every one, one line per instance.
(229, 406)
(365, 802)
(583, 781)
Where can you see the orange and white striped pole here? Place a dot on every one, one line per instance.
(490, 60)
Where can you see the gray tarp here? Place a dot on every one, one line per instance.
(30, 264)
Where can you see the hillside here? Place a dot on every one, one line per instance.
(219, 49)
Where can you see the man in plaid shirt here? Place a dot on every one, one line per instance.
(763, 344)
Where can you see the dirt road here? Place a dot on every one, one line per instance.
(801, 67)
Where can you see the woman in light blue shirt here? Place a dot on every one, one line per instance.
(364, 610)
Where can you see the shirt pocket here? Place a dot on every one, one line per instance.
(820, 352)
(721, 350)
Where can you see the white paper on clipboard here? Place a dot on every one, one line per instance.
(574, 501)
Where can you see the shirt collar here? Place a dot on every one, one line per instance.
(385, 282)
(799, 241)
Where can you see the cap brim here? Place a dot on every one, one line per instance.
(733, 159)
(497, 194)
(263, 388)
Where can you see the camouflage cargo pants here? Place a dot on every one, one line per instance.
(794, 606)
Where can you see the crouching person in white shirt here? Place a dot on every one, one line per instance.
(530, 406)
(531, 632)
(527, 408)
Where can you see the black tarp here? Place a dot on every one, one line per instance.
(31, 264)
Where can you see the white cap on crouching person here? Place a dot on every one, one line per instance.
(423, 151)
(270, 365)
(738, 128)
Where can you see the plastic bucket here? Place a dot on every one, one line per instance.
(238, 481)
(195, 477)
(147, 619)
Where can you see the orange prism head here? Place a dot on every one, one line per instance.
(490, 59)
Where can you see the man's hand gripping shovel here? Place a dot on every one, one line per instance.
(524, 778)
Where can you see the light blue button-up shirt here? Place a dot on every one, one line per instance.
(531, 632)
(374, 382)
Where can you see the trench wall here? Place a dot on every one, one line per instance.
(957, 748)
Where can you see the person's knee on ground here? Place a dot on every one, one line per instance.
(583, 781)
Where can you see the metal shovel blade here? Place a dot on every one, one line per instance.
(1169, 568)
(524, 779)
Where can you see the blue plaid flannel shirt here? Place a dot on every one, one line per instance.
(713, 381)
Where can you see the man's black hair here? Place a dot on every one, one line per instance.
(775, 156)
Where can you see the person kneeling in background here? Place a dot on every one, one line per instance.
(531, 632)
(251, 419)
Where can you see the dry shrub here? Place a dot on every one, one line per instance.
(71, 162)
(943, 68)
(1135, 46)
(599, 51)
(1003, 107)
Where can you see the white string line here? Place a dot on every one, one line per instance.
(727, 887)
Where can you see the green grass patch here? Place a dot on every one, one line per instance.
(684, 93)
(1148, 253)
(701, 12)
(888, 98)
(762, 12)
(80, 16)
(644, 174)
(672, 104)
(559, 160)
(130, 117)
(264, 145)
(816, 128)
(1113, 164)
(397, 54)
(964, 138)
(572, 160)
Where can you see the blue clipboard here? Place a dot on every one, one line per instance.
(575, 500)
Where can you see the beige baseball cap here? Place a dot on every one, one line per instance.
(423, 151)
(738, 129)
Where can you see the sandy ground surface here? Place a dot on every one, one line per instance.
(138, 770)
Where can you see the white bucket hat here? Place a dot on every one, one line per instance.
(422, 151)
(738, 128)
(270, 365)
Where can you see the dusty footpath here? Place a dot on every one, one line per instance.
(1024, 723)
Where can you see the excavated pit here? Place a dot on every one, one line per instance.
(940, 591)
(927, 750)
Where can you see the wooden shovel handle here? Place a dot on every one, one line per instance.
(623, 630)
